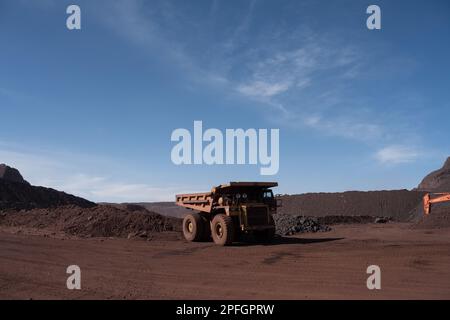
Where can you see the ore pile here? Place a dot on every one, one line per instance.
(286, 224)
(396, 204)
(98, 221)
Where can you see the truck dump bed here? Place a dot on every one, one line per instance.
(195, 201)
(203, 201)
(234, 184)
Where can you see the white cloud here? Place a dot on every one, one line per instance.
(396, 154)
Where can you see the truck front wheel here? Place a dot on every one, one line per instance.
(222, 230)
(193, 227)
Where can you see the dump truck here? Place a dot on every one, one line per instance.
(230, 210)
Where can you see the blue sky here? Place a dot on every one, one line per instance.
(91, 111)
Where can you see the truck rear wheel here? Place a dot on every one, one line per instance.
(193, 227)
(222, 230)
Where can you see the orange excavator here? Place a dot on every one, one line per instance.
(431, 198)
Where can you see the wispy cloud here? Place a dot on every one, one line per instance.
(263, 89)
(308, 78)
(289, 79)
(396, 154)
(294, 80)
(346, 127)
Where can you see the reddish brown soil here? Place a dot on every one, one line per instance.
(396, 204)
(414, 265)
(331, 220)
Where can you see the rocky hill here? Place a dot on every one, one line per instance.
(17, 193)
(437, 181)
(11, 174)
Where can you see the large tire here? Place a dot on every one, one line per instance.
(222, 230)
(193, 227)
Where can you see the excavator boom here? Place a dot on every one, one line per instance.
(431, 198)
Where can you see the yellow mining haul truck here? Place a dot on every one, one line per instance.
(230, 210)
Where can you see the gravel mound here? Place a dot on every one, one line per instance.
(286, 224)
(98, 221)
(396, 204)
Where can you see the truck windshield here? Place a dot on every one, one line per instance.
(268, 195)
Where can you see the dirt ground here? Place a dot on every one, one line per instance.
(415, 264)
